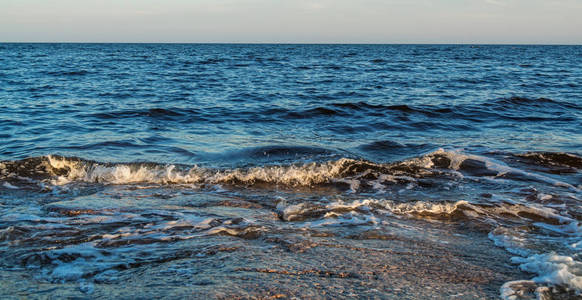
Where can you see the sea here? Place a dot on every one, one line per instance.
(259, 171)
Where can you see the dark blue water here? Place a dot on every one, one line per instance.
(297, 153)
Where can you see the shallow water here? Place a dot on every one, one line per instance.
(316, 171)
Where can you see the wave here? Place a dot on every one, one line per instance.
(159, 113)
(59, 170)
(510, 109)
(490, 215)
(285, 152)
(536, 102)
(554, 159)
(68, 73)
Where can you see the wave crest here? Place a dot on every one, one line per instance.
(357, 174)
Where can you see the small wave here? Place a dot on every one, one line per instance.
(284, 151)
(378, 61)
(160, 113)
(524, 102)
(314, 112)
(554, 159)
(384, 147)
(441, 210)
(212, 61)
(59, 170)
(514, 109)
(367, 106)
(68, 73)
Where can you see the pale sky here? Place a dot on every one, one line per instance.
(293, 21)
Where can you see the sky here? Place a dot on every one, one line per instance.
(293, 21)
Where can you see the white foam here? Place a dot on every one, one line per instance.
(68, 272)
(87, 260)
(553, 269)
(353, 183)
(577, 246)
(545, 197)
(513, 243)
(421, 207)
(10, 186)
(351, 218)
(337, 208)
(418, 207)
(515, 290)
(571, 228)
(289, 212)
(300, 174)
(307, 174)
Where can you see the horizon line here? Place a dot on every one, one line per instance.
(295, 43)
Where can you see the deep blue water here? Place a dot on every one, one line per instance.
(186, 103)
(340, 139)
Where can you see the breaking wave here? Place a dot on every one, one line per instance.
(60, 170)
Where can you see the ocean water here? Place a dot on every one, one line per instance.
(309, 171)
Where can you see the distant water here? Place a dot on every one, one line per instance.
(315, 171)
